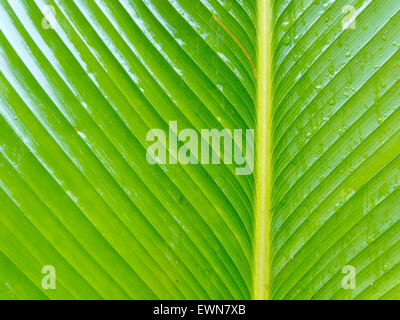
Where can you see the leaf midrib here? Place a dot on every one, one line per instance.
(263, 177)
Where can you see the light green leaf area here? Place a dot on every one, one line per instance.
(81, 89)
(336, 150)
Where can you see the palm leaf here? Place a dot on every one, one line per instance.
(83, 82)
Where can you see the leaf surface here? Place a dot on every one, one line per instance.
(83, 82)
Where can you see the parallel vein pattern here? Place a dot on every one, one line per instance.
(336, 150)
(76, 103)
(80, 90)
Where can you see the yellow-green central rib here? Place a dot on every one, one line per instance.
(261, 273)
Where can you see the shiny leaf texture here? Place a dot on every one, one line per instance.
(83, 82)
(336, 151)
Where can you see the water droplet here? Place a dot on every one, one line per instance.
(285, 26)
(286, 40)
(385, 267)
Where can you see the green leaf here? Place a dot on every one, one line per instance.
(336, 150)
(82, 83)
